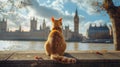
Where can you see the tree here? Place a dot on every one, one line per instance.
(114, 13)
(10, 7)
(12, 10)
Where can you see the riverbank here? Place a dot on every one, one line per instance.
(85, 41)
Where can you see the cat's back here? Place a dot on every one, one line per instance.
(56, 35)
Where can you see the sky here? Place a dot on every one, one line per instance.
(45, 9)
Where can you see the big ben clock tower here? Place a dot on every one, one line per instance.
(76, 36)
(76, 23)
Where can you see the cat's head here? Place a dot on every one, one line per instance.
(56, 23)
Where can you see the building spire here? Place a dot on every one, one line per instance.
(20, 28)
(76, 22)
(44, 20)
(90, 25)
(40, 27)
(76, 12)
(44, 24)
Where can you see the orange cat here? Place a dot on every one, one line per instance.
(55, 45)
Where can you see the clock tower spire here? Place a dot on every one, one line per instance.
(76, 22)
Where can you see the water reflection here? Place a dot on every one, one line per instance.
(76, 46)
(39, 46)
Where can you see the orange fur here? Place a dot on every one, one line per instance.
(55, 45)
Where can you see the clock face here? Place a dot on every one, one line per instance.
(75, 19)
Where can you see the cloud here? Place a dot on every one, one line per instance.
(47, 11)
(87, 5)
(50, 8)
(53, 9)
(58, 4)
(97, 23)
(22, 16)
(3, 0)
(15, 16)
(15, 23)
(40, 11)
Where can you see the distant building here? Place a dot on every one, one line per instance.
(41, 33)
(3, 25)
(19, 34)
(76, 23)
(98, 32)
(67, 33)
(44, 24)
(75, 35)
(44, 30)
(33, 24)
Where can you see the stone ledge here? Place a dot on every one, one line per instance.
(84, 59)
(50, 63)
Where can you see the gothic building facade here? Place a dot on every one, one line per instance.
(67, 33)
(33, 34)
(33, 24)
(41, 33)
(98, 32)
(76, 22)
(75, 34)
(3, 25)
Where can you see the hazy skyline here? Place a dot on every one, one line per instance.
(45, 9)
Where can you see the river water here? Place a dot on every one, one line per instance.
(39, 46)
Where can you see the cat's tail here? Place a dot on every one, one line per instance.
(62, 59)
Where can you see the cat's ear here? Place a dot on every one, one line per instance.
(60, 19)
(52, 19)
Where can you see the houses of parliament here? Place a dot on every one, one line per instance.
(93, 32)
(40, 34)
